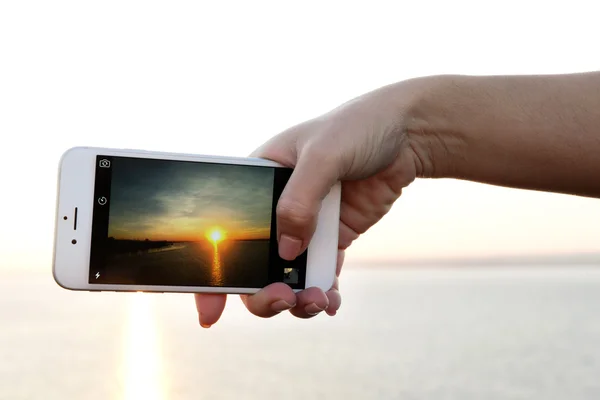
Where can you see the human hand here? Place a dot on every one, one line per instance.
(363, 143)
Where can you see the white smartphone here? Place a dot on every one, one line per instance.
(131, 220)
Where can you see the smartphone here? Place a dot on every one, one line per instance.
(131, 220)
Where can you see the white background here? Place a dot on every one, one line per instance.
(222, 77)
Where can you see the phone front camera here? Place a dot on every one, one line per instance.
(74, 241)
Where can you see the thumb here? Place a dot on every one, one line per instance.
(298, 207)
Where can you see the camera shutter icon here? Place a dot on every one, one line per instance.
(104, 163)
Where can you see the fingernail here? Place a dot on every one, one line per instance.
(289, 247)
(313, 309)
(281, 305)
(206, 326)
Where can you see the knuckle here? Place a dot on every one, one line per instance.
(259, 309)
(319, 151)
(381, 211)
(294, 212)
(325, 154)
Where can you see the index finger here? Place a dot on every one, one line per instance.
(210, 308)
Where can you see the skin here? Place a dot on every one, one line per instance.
(529, 132)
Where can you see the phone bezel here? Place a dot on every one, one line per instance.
(76, 190)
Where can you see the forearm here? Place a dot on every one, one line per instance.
(531, 132)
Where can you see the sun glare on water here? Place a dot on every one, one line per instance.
(143, 378)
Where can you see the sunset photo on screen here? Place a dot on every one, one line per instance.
(189, 223)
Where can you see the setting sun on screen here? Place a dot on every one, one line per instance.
(216, 235)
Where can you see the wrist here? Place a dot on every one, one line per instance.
(435, 138)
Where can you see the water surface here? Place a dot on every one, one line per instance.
(472, 333)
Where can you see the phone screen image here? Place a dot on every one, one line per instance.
(182, 223)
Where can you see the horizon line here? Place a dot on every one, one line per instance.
(583, 258)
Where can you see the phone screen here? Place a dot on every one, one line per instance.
(181, 223)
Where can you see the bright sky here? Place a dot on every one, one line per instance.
(222, 77)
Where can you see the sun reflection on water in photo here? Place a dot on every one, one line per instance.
(217, 272)
(216, 235)
(142, 374)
